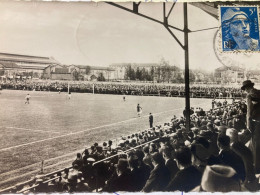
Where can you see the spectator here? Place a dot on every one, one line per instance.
(121, 181)
(159, 176)
(78, 161)
(229, 157)
(169, 162)
(188, 177)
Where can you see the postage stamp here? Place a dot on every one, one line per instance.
(239, 28)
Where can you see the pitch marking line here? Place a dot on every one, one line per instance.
(22, 168)
(37, 130)
(78, 132)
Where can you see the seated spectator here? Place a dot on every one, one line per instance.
(159, 176)
(188, 177)
(144, 168)
(229, 157)
(147, 157)
(78, 161)
(121, 181)
(136, 174)
(200, 156)
(169, 162)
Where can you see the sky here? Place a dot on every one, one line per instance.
(99, 34)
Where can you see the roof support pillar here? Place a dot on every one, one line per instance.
(186, 56)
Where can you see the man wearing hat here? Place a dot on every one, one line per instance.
(253, 119)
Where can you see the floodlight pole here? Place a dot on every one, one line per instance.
(186, 54)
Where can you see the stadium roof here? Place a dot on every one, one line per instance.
(9, 64)
(27, 59)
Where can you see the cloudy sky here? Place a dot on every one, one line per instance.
(100, 34)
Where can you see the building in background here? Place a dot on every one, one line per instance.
(24, 66)
(154, 72)
(229, 75)
(78, 72)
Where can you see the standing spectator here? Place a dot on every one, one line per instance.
(151, 120)
(253, 119)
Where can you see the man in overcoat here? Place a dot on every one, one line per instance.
(253, 119)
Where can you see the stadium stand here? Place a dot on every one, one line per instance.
(125, 88)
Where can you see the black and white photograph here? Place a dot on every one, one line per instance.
(120, 97)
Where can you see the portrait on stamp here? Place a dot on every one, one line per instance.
(240, 28)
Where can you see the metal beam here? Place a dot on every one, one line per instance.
(187, 72)
(171, 9)
(173, 35)
(142, 15)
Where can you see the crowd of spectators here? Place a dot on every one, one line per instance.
(124, 88)
(212, 156)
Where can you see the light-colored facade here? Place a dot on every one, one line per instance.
(78, 72)
(229, 75)
(121, 68)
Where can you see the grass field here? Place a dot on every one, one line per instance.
(53, 128)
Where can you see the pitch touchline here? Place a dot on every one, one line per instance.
(78, 132)
(67, 153)
(33, 130)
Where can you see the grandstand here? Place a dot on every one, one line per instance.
(16, 65)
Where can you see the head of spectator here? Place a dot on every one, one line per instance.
(200, 155)
(146, 150)
(219, 178)
(223, 142)
(168, 153)
(222, 130)
(203, 141)
(247, 86)
(230, 124)
(79, 156)
(183, 158)
(232, 134)
(157, 159)
(66, 171)
(152, 148)
(122, 166)
(210, 127)
(133, 162)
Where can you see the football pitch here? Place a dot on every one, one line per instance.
(53, 128)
